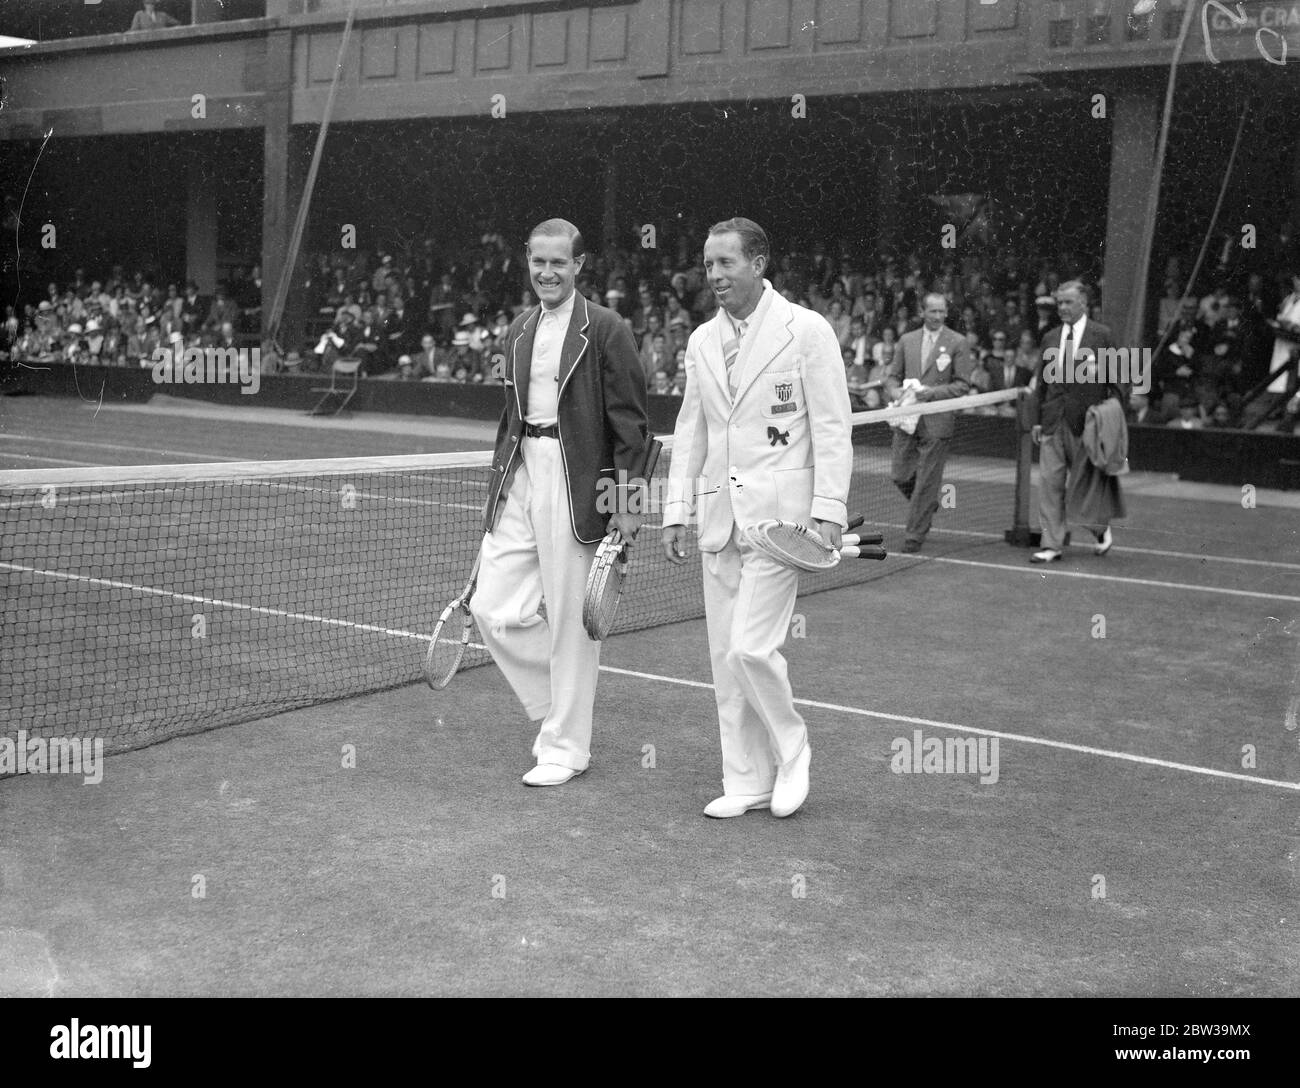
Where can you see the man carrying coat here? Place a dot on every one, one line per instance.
(1070, 381)
(763, 432)
(575, 413)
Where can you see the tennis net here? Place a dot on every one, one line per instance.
(138, 604)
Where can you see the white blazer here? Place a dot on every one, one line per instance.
(783, 447)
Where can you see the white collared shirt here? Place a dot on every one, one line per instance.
(544, 375)
(928, 341)
(1076, 336)
(740, 329)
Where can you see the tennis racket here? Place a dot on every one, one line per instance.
(796, 546)
(609, 569)
(451, 636)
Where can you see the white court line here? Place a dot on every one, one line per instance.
(107, 446)
(1040, 570)
(905, 719)
(52, 460)
(216, 602)
(1042, 742)
(1198, 556)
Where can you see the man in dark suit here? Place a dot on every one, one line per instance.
(939, 360)
(1069, 383)
(1005, 374)
(574, 430)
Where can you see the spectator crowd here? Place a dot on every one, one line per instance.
(441, 315)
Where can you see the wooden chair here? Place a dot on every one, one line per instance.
(344, 375)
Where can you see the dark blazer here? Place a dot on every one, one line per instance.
(953, 381)
(997, 379)
(1055, 402)
(602, 412)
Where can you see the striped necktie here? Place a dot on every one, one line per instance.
(731, 352)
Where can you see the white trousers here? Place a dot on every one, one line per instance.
(748, 601)
(531, 556)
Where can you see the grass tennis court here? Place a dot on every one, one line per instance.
(1117, 760)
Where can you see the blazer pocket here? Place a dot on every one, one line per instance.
(782, 394)
(794, 492)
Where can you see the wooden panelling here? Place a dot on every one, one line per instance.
(492, 42)
(913, 18)
(436, 50)
(550, 39)
(379, 53)
(1003, 15)
(839, 22)
(768, 24)
(701, 23)
(609, 35)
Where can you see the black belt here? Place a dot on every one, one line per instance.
(534, 431)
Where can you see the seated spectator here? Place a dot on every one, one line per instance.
(269, 359)
(226, 336)
(1220, 417)
(1005, 372)
(675, 315)
(839, 321)
(191, 309)
(370, 342)
(998, 351)
(1011, 323)
(1140, 411)
(95, 341)
(1044, 316)
(856, 374)
(678, 381)
(859, 342)
(1027, 354)
(339, 342)
(1189, 416)
(150, 18)
(424, 363)
(221, 310)
(970, 322)
(462, 354)
(882, 352)
(1175, 371)
(659, 384)
(867, 307)
(980, 379)
(1170, 306)
(655, 355)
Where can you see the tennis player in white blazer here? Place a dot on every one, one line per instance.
(763, 432)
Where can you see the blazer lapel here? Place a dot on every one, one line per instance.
(711, 348)
(522, 360)
(575, 340)
(940, 343)
(763, 344)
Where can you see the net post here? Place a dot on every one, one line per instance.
(1019, 535)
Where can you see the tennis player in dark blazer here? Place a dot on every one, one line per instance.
(1070, 486)
(940, 360)
(575, 414)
